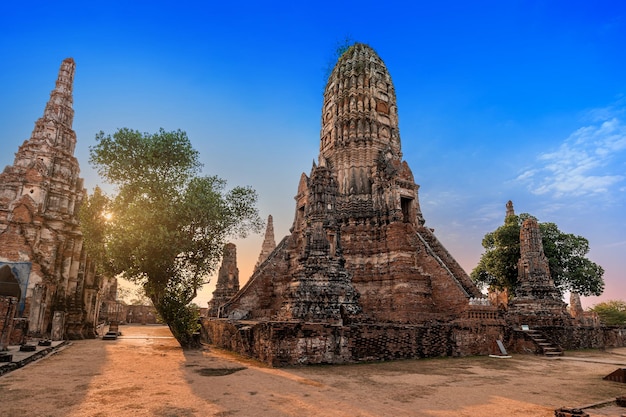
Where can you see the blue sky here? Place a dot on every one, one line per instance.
(520, 100)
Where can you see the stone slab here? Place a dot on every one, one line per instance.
(22, 358)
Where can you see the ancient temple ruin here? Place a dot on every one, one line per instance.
(358, 243)
(227, 280)
(269, 243)
(359, 259)
(536, 300)
(361, 276)
(56, 286)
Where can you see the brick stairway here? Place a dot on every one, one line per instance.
(547, 348)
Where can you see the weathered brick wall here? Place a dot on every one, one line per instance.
(586, 337)
(8, 309)
(20, 329)
(262, 295)
(567, 337)
(517, 341)
(299, 343)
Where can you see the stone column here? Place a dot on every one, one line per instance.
(37, 310)
(8, 308)
(58, 325)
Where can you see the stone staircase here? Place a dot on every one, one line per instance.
(547, 348)
(441, 254)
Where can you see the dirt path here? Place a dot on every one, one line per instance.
(145, 373)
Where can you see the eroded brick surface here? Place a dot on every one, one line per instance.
(227, 280)
(40, 238)
(358, 249)
(360, 276)
(537, 301)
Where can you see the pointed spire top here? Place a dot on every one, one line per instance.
(65, 80)
(509, 209)
(227, 280)
(55, 127)
(269, 244)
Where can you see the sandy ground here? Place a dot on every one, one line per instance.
(145, 373)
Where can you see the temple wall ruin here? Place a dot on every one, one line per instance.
(301, 343)
(360, 277)
(296, 343)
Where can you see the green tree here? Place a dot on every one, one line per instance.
(93, 216)
(168, 224)
(569, 267)
(612, 312)
(341, 47)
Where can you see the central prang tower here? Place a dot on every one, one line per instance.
(358, 249)
(360, 141)
(360, 277)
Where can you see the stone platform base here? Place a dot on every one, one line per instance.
(300, 343)
(292, 343)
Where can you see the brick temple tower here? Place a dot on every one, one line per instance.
(360, 277)
(269, 243)
(227, 280)
(537, 301)
(40, 238)
(358, 247)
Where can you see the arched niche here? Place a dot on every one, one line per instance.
(9, 286)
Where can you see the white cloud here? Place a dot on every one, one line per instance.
(584, 164)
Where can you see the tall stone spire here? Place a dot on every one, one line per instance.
(359, 112)
(39, 199)
(360, 141)
(53, 180)
(227, 280)
(509, 210)
(533, 269)
(575, 306)
(269, 244)
(358, 248)
(55, 126)
(536, 300)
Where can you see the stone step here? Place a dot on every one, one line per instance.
(547, 348)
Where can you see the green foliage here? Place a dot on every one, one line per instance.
(341, 47)
(145, 162)
(497, 267)
(612, 313)
(180, 315)
(566, 253)
(93, 218)
(168, 224)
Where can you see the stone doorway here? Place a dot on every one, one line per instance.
(9, 286)
(405, 205)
